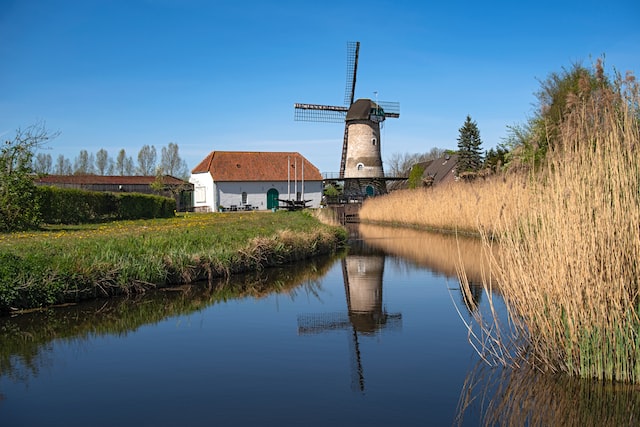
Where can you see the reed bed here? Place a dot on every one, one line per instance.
(569, 267)
(570, 262)
(458, 206)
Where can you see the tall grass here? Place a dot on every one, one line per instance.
(458, 206)
(569, 267)
(570, 262)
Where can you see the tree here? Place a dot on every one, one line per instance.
(83, 164)
(400, 165)
(415, 176)
(469, 150)
(124, 164)
(147, 160)
(494, 159)
(171, 163)
(19, 205)
(104, 164)
(42, 164)
(63, 166)
(559, 94)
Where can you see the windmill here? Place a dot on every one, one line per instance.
(361, 162)
(362, 273)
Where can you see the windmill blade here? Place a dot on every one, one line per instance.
(345, 144)
(318, 323)
(319, 113)
(391, 109)
(353, 49)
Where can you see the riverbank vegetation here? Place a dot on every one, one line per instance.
(100, 317)
(69, 263)
(566, 216)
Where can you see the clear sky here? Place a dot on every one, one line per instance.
(224, 75)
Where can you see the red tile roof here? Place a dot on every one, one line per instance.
(106, 179)
(239, 166)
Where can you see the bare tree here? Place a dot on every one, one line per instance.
(171, 163)
(63, 166)
(104, 164)
(124, 164)
(83, 164)
(400, 164)
(147, 160)
(43, 164)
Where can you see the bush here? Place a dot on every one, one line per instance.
(138, 206)
(73, 206)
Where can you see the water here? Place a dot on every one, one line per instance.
(375, 337)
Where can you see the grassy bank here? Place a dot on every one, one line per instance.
(62, 264)
(569, 267)
(25, 339)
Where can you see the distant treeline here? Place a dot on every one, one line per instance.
(102, 163)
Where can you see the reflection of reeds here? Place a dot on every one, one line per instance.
(524, 397)
(441, 253)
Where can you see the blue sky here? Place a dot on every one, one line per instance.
(224, 75)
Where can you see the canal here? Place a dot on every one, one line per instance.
(373, 337)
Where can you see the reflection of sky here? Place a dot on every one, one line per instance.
(242, 362)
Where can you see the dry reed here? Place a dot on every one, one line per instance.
(570, 252)
(570, 266)
(457, 206)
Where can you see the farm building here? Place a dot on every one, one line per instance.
(240, 180)
(173, 187)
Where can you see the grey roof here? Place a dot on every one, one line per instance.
(441, 169)
(361, 109)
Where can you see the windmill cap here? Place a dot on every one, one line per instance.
(363, 109)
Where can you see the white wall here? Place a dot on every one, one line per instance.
(209, 195)
(203, 192)
(230, 193)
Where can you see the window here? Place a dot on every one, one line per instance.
(244, 197)
(200, 194)
(360, 166)
(374, 140)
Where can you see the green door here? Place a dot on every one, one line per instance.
(272, 198)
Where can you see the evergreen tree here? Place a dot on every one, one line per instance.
(469, 150)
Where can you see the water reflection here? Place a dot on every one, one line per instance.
(528, 397)
(497, 396)
(362, 272)
(27, 338)
(441, 253)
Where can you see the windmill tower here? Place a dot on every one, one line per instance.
(361, 162)
(362, 272)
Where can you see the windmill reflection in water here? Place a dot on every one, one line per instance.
(362, 271)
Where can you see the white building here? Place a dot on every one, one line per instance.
(254, 180)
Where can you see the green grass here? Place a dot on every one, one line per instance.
(63, 263)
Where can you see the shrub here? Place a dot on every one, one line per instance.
(73, 206)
